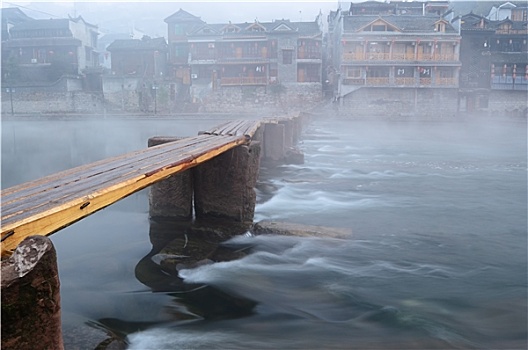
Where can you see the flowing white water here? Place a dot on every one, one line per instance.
(436, 259)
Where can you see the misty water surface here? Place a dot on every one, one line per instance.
(436, 259)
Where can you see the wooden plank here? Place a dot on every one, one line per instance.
(237, 127)
(87, 170)
(73, 176)
(64, 191)
(59, 200)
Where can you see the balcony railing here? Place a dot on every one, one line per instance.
(396, 56)
(426, 81)
(309, 55)
(405, 81)
(446, 81)
(238, 81)
(378, 81)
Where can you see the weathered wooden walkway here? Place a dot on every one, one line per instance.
(46, 205)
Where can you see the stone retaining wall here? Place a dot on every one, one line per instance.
(399, 102)
(425, 103)
(281, 98)
(511, 103)
(52, 102)
(127, 96)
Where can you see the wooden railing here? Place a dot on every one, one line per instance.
(237, 81)
(406, 81)
(378, 81)
(446, 81)
(396, 56)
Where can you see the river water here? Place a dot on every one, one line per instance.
(436, 257)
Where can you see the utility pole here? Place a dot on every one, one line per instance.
(10, 90)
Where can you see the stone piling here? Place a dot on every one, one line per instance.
(224, 186)
(172, 197)
(31, 312)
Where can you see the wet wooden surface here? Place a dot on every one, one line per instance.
(46, 205)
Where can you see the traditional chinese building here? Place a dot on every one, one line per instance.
(47, 49)
(494, 54)
(243, 54)
(144, 58)
(413, 58)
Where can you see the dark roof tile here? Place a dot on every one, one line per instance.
(136, 44)
(407, 24)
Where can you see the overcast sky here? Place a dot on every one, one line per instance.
(148, 16)
(213, 11)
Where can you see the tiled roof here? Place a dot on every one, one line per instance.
(406, 24)
(481, 8)
(42, 24)
(182, 16)
(136, 44)
(302, 28)
(13, 15)
(471, 21)
(515, 25)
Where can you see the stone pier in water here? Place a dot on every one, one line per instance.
(224, 187)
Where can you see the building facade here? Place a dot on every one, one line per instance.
(144, 58)
(494, 54)
(45, 50)
(395, 58)
(243, 54)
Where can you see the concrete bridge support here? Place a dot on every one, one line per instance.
(31, 317)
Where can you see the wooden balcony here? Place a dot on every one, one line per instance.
(396, 56)
(425, 81)
(378, 56)
(446, 81)
(401, 82)
(352, 56)
(378, 81)
(243, 81)
(402, 56)
(354, 81)
(405, 81)
(309, 55)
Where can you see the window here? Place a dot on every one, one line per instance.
(287, 56)
(178, 29)
(353, 73)
(180, 51)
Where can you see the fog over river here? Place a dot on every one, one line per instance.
(437, 257)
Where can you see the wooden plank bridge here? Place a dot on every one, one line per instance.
(44, 206)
